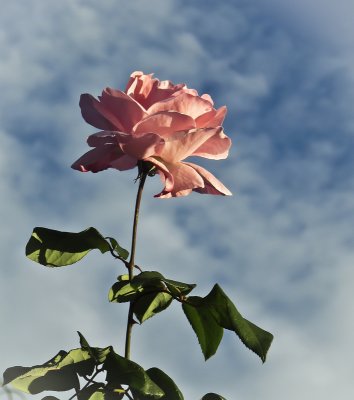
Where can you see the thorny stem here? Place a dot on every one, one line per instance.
(142, 177)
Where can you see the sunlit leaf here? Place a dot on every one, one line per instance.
(178, 289)
(208, 331)
(58, 374)
(124, 277)
(122, 292)
(56, 249)
(99, 391)
(149, 305)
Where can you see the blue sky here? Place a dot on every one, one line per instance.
(281, 247)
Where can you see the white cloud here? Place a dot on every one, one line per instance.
(281, 247)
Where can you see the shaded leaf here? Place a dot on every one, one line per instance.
(50, 398)
(149, 305)
(99, 391)
(87, 393)
(218, 307)
(121, 371)
(146, 282)
(118, 249)
(99, 355)
(56, 249)
(212, 396)
(227, 316)
(148, 279)
(166, 384)
(208, 331)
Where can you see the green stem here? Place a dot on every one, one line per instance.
(131, 264)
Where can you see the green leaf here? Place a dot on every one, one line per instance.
(178, 289)
(149, 305)
(121, 371)
(148, 279)
(227, 316)
(212, 396)
(124, 277)
(166, 384)
(216, 311)
(89, 391)
(208, 331)
(99, 355)
(122, 292)
(98, 391)
(58, 374)
(146, 282)
(150, 291)
(50, 398)
(118, 249)
(56, 249)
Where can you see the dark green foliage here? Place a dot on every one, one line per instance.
(149, 291)
(121, 371)
(212, 396)
(217, 310)
(208, 331)
(165, 383)
(62, 372)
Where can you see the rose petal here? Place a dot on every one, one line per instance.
(207, 97)
(185, 178)
(184, 103)
(95, 114)
(147, 90)
(182, 144)
(216, 148)
(164, 173)
(164, 123)
(107, 137)
(143, 146)
(126, 109)
(124, 163)
(98, 159)
(212, 118)
(211, 184)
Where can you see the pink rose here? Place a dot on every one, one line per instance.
(159, 122)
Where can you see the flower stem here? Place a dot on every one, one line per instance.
(131, 264)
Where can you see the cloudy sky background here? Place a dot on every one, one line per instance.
(282, 247)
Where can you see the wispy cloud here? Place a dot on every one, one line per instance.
(282, 247)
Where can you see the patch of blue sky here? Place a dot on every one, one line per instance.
(281, 247)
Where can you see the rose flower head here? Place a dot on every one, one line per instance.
(160, 123)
